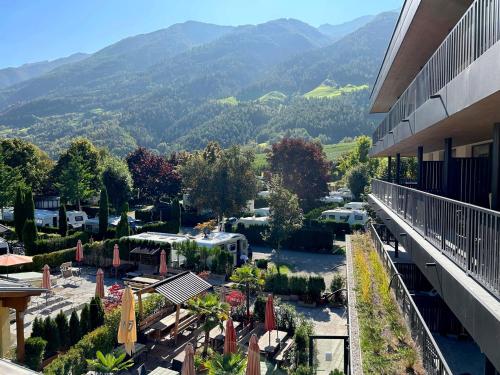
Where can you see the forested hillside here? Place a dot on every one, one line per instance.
(181, 87)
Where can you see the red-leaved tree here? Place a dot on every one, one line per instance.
(303, 167)
(154, 176)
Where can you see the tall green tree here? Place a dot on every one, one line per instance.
(103, 212)
(63, 221)
(29, 205)
(220, 180)
(117, 179)
(96, 311)
(19, 213)
(11, 180)
(85, 320)
(30, 235)
(37, 327)
(63, 330)
(285, 215)
(358, 178)
(74, 329)
(51, 335)
(123, 227)
(32, 164)
(75, 181)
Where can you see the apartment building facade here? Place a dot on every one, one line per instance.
(439, 87)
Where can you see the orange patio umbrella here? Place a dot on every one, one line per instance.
(270, 320)
(46, 277)
(99, 284)
(116, 259)
(188, 364)
(79, 251)
(9, 259)
(253, 363)
(163, 263)
(230, 338)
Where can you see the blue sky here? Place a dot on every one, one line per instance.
(34, 30)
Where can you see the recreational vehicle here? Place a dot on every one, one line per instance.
(341, 215)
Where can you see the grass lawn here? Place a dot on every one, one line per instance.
(386, 344)
(325, 91)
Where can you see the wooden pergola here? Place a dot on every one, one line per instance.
(14, 296)
(177, 289)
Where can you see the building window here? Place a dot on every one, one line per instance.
(481, 151)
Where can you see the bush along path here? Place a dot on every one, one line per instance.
(386, 344)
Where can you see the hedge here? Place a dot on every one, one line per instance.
(160, 226)
(306, 238)
(310, 287)
(102, 338)
(55, 244)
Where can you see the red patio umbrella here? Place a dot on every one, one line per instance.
(79, 251)
(270, 320)
(253, 363)
(99, 284)
(163, 263)
(46, 277)
(230, 338)
(116, 259)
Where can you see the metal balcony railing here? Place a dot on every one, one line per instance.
(432, 358)
(468, 235)
(476, 32)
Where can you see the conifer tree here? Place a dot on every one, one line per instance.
(74, 329)
(63, 330)
(30, 235)
(103, 212)
(19, 215)
(85, 320)
(63, 221)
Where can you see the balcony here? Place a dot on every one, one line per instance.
(476, 32)
(466, 234)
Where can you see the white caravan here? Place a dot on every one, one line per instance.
(341, 215)
(355, 205)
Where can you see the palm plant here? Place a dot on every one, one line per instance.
(251, 278)
(109, 364)
(226, 364)
(211, 311)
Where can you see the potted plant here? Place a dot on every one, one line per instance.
(109, 364)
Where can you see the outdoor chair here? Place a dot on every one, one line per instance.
(68, 273)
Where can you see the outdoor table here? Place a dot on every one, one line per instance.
(264, 341)
(163, 371)
(139, 349)
(168, 321)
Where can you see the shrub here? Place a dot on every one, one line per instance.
(337, 283)
(51, 335)
(96, 312)
(35, 349)
(315, 286)
(286, 317)
(63, 221)
(30, 235)
(62, 330)
(277, 283)
(74, 329)
(160, 226)
(297, 285)
(259, 308)
(261, 263)
(85, 320)
(301, 339)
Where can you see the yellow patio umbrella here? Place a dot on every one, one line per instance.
(127, 330)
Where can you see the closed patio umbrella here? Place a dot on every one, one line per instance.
(188, 364)
(79, 251)
(270, 320)
(99, 284)
(116, 259)
(46, 277)
(253, 363)
(127, 330)
(163, 263)
(230, 338)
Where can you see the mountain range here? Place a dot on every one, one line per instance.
(193, 82)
